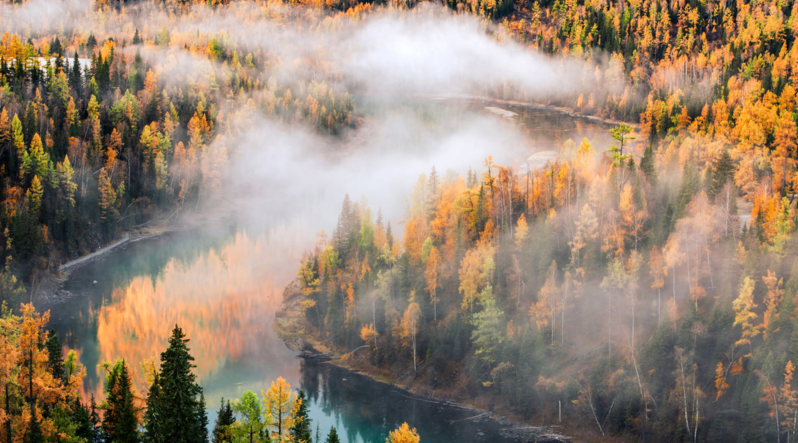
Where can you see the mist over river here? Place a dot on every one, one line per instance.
(223, 284)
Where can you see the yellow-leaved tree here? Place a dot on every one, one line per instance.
(410, 326)
(403, 434)
(744, 313)
(476, 272)
(281, 406)
(431, 278)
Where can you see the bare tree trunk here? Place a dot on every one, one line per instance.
(562, 315)
(609, 323)
(684, 393)
(709, 266)
(415, 367)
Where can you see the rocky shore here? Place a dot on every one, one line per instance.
(292, 327)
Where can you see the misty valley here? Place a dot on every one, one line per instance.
(326, 221)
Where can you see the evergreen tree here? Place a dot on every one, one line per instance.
(690, 185)
(152, 419)
(82, 418)
(225, 419)
(180, 407)
(34, 434)
(91, 42)
(203, 418)
(647, 165)
(94, 418)
(75, 75)
(300, 431)
(120, 422)
(55, 361)
(332, 437)
(723, 172)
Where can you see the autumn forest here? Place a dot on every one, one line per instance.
(636, 286)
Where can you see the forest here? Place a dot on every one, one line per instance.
(639, 291)
(42, 397)
(644, 292)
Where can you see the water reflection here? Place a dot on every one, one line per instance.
(223, 297)
(223, 288)
(365, 411)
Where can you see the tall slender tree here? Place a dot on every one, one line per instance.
(121, 418)
(180, 409)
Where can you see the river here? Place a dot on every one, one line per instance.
(223, 284)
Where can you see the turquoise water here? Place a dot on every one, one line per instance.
(223, 286)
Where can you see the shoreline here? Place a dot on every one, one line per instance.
(51, 293)
(535, 105)
(291, 327)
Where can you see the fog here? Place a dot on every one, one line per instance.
(302, 174)
(422, 54)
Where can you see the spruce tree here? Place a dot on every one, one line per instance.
(34, 434)
(648, 167)
(332, 437)
(75, 75)
(203, 418)
(690, 185)
(225, 419)
(723, 172)
(120, 422)
(300, 431)
(182, 413)
(152, 418)
(55, 363)
(82, 418)
(94, 418)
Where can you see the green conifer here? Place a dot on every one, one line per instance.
(332, 437)
(300, 431)
(225, 419)
(181, 408)
(120, 422)
(55, 361)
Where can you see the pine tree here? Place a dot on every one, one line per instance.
(55, 361)
(180, 408)
(152, 419)
(94, 418)
(203, 418)
(648, 167)
(81, 416)
(723, 172)
(332, 437)
(225, 419)
(120, 422)
(34, 433)
(300, 431)
(75, 75)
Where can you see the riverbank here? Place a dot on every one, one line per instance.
(292, 327)
(534, 105)
(49, 292)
